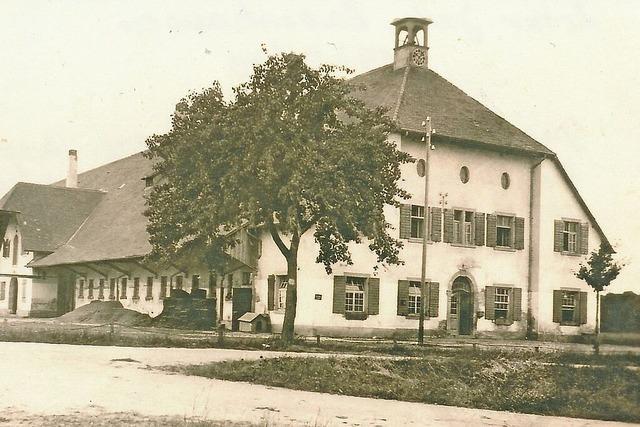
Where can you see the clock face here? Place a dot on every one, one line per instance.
(418, 57)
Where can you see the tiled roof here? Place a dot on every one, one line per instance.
(116, 229)
(411, 94)
(48, 216)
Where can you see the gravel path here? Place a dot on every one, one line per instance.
(49, 379)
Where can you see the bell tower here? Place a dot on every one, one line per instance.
(411, 42)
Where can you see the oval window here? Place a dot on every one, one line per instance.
(421, 167)
(464, 174)
(505, 180)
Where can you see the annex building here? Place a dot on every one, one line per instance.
(506, 228)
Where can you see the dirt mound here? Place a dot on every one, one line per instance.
(100, 312)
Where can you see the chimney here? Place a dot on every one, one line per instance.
(411, 43)
(72, 173)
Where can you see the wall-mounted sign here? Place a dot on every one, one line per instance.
(318, 296)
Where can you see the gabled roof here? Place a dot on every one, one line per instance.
(116, 229)
(412, 93)
(48, 216)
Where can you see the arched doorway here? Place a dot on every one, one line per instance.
(461, 306)
(13, 295)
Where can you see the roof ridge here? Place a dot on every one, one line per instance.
(370, 71)
(487, 108)
(401, 93)
(101, 166)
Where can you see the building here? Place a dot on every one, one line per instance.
(506, 229)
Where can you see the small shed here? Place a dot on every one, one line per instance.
(254, 322)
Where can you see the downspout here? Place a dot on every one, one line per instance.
(531, 331)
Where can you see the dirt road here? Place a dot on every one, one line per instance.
(49, 379)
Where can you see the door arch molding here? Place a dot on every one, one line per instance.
(462, 303)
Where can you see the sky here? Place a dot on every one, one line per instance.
(102, 76)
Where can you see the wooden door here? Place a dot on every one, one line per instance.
(241, 303)
(465, 325)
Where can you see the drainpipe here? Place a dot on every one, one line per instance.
(531, 331)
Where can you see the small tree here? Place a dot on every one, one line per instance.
(292, 153)
(599, 272)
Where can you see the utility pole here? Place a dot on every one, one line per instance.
(425, 231)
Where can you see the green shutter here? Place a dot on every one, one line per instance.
(558, 228)
(339, 284)
(373, 295)
(479, 226)
(517, 304)
(436, 224)
(448, 226)
(584, 238)
(492, 233)
(434, 302)
(405, 221)
(271, 291)
(490, 302)
(403, 297)
(557, 306)
(519, 239)
(582, 307)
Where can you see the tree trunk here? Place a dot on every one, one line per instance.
(292, 292)
(596, 344)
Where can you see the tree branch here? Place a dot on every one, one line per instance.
(278, 240)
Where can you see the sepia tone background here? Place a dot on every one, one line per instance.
(101, 77)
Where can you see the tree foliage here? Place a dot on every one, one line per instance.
(291, 152)
(600, 270)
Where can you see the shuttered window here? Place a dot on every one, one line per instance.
(112, 289)
(123, 288)
(463, 227)
(136, 288)
(505, 231)
(569, 307)
(163, 287)
(571, 237)
(503, 304)
(81, 289)
(417, 222)
(356, 297)
(413, 224)
(410, 298)
(90, 288)
(6, 248)
(149, 294)
(101, 289)
(435, 224)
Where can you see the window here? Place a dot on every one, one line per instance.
(15, 249)
(569, 307)
(463, 227)
(163, 287)
(246, 278)
(149, 295)
(505, 180)
(6, 248)
(81, 289)
(570, 237)
(464, 174)
(421, 168)
(178, 282)
(90, 287)
(3, 290)
(415, 297)
(417, 221)
(112, 288)
(281, 291)
(354, 295)
(123, 288)
(136, 288)
(101, 289)
(454, 304)
(501, 310)
(195, 282)
(504, 227)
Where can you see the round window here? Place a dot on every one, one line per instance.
(421, 167)
(464, 174)
(505, 180)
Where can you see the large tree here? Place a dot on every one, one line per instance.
(600, 270)
(293, 153)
